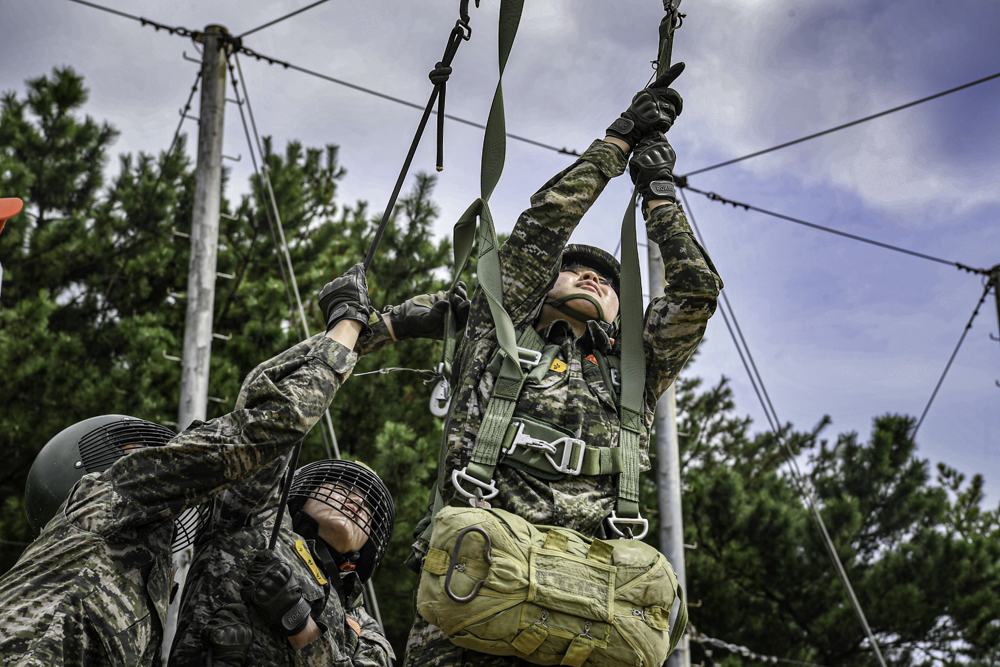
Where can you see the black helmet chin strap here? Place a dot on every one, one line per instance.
(561, 305)
(331, 560)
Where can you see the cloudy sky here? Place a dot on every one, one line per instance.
(836, 327)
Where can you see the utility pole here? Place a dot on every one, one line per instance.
(204, 231)
(201, 271)
(668, 471)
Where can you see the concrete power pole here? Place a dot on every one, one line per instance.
(668, 471)
(204, 231)
(201, 272)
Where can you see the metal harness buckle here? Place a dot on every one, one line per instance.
(478, 494)
(527, 357)
(614, 520)
(574, 450)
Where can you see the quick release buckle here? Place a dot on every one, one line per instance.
(573, 454)
(479, 495)
(614, 520)
(571, 447)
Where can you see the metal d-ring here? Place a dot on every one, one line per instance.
(454, 560)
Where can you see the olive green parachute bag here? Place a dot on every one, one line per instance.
(497, 584)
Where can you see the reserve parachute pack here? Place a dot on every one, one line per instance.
(497, 584)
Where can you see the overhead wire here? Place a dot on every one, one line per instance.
(797, 476)
(266, 181)
(287, 65)
(369, 91)
(749, 207)
(989, 285)
(279, 20)
(267, 209)
(173, 30)
(845, 125)
(702, 638)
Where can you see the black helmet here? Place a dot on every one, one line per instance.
(320, 480)
(594, 258)
(92, 446)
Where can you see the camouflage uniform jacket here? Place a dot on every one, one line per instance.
(93, 588)
(240, 522)
(571, 395)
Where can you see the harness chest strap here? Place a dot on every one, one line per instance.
(552, 453)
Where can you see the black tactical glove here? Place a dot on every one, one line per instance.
(272, 589)
(652, 169)
(228, 635)
(423, 315)
(346, 298)
(653, 109)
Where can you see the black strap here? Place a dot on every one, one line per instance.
(461, 32)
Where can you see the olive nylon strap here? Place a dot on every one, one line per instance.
(633, 367)
(466, 231)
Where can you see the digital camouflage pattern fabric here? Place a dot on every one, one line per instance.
(93, 588)
(240, 521)
(570, 394)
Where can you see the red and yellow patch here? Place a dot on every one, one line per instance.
(354, 624)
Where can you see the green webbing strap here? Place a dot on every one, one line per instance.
(499, 412)
(681, 622)
(633, 371)
(494, 153)
(485, 236)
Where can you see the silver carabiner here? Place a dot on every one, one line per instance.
(441, 398)
(454, 560)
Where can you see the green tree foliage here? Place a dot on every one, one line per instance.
(922, 554)
(95, 276)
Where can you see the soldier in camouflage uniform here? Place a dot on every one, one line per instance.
(240, 522)
(571, 395)
(93, 588)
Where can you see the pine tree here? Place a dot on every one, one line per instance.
(922, 555)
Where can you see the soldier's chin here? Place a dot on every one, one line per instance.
(343, 535)
(584, 305)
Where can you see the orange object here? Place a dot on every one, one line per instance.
(9, 207)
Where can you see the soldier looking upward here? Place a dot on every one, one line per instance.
(93, 588)
(568, 296)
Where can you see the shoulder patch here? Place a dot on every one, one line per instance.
(300, 548)
(558, 366)
(354, 624)
(591, 358)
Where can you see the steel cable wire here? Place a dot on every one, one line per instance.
(846, 125)
(749, 207)
(799, 478)
(278, 20)
(965, 331)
